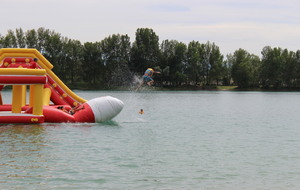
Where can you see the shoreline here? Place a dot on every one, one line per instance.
(198, 88)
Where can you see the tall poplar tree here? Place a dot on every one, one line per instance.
(116, 55)
(145, 50)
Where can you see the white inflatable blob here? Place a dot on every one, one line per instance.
(105, 108)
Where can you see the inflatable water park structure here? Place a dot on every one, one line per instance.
(49, 99)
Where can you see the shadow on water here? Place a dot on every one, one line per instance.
(38, 129)
(109, 123)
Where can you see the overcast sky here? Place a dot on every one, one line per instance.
(230, 24)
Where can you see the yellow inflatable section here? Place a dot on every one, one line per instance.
(43, 63)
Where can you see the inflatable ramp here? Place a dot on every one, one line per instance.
(23, 67)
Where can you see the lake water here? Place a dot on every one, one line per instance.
(208, 140)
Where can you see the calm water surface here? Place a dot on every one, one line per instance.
(185, 140)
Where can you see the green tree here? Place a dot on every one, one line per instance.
(10, 40)
(145, 50)
(21, 40)
(116, 56)
(179, 64)
(114, 60)
(93, 69)
(167, 52)
(289, 61)
(54, 52)
(227, 67)
(31, 38)
(1, 41)
(212, 63)
(43, 36)
(272, 67)
(297, 69)
(194, 66)
(245, 68)
(73, 56)
(173, 60)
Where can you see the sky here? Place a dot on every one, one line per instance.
(230, 24)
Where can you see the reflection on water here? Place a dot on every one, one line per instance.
(44, 155)
(22, 152)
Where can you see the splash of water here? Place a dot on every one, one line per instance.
(136, 82)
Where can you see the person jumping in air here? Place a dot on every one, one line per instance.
(147, 77)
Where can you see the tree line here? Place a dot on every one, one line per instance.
(115, 61)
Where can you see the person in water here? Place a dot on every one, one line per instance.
(141, 111)
(147, 77)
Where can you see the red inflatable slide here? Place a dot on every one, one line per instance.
(50, 100)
